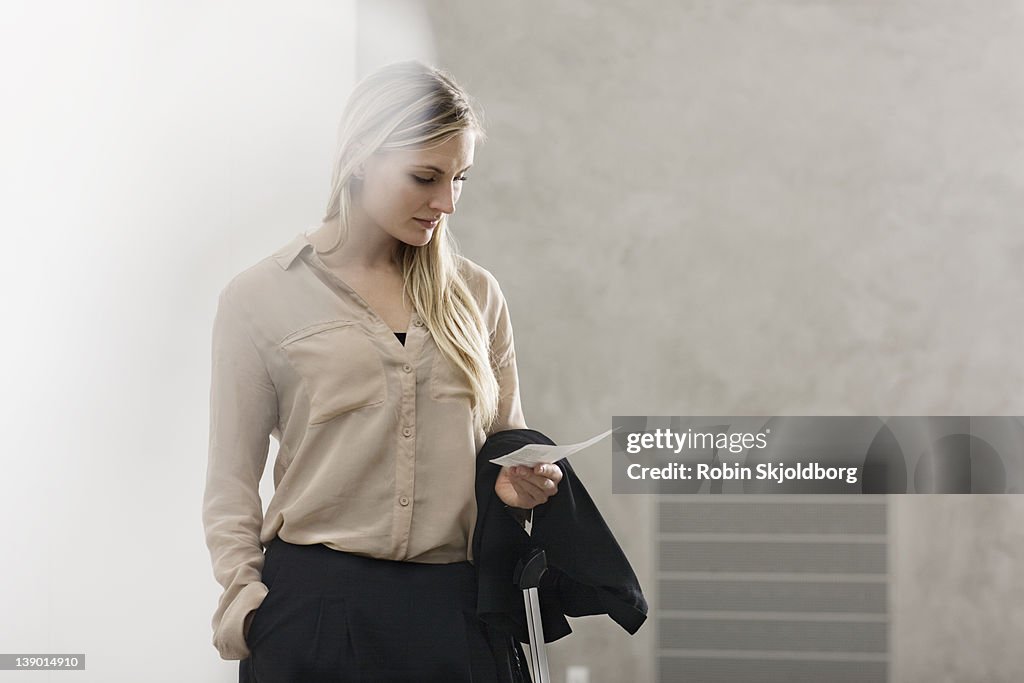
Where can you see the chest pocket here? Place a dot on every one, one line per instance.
(447, 381)
(339, 366)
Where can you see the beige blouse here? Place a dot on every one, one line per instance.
(377, 448)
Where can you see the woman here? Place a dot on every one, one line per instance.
(380, 360)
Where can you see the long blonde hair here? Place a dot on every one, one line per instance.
(410, 105)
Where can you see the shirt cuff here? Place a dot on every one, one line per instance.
(229, 637)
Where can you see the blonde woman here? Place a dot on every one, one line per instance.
(380, 360)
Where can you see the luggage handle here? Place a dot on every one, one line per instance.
(529, 570)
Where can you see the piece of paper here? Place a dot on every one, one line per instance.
(535, 453)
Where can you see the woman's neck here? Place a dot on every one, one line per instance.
(360, 252)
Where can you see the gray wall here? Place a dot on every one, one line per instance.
(957, 596)
(763, 208)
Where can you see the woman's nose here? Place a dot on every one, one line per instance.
(445, 199)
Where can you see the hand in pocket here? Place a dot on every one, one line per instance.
(247, 623)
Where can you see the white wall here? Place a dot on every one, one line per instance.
(151, 150)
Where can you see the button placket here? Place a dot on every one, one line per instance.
(406, 447)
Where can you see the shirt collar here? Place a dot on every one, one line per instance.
(286, 256)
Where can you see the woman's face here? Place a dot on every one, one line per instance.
(401, 186)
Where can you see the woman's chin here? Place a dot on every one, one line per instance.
(420, 240)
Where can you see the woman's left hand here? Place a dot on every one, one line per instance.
(526, 488)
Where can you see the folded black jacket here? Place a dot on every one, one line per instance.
(587, 570)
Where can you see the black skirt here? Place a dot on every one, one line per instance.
(334, 616)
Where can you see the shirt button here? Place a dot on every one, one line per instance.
(404, 501)
(418, 323)
(407, 367)
(407, 431)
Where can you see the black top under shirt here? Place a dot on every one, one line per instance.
(401, 337)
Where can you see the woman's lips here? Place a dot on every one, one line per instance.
(426, 224)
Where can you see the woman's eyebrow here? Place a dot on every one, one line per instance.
(437, 170)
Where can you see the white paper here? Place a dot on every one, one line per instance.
(535, 453)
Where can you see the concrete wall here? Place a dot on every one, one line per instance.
(957, 598)
(763, 208)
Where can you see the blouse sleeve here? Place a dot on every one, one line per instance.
(503, 354)
(243, 412)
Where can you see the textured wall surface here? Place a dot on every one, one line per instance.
(957, 595)
(738, 207)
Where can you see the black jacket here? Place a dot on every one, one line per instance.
(587, 571)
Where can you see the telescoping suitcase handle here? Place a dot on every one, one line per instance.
(527, 575)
